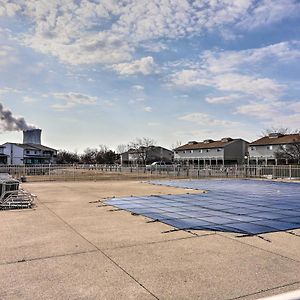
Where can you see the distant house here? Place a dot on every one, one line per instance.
(146, 155)
(210, 152)
(30, 152)
(263, 150)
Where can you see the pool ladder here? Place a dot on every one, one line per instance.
(17, 199)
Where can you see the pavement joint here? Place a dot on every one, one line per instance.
(266, 290)
(101, 251)
(46, 257)
(256, 247)
(160, 242)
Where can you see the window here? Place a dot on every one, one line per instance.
(191, 151)
(270, 147)
(253, 148)
(200, 151)
(184, 151)
(207, 150)
(27, 151)
(219, 149)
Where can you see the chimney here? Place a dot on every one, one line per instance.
(32, 136)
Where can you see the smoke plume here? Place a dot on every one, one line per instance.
(8, 122)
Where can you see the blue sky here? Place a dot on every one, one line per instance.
(106, 72)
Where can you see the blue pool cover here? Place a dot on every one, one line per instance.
(241, 206)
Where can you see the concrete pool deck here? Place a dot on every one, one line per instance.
(70, 246)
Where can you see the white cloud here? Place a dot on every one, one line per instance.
(223, 99)
(8, 90)
(205, 119)
(154, 46)
(110, 31)
(264, 88)
(143, 66)
(266, 12)
(72, 99)
(138, 87)
(237, 71)
(148, 109)
(28, 99)
(230, 82)
(8, 55)
(8, 8)
(189, 78)
(259, 110)
(231, 61)
(276, 113)
(136, 100)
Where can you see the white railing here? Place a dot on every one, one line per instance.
(99, 172)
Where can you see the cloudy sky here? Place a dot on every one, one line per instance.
(92, 72)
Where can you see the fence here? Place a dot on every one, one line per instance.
(106, 172)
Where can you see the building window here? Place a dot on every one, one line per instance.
(207, 150)
(184, 151)
(270, 147)
(27, 151)
(253, 148)
(219, 149)
(200, 151)
(191, 151)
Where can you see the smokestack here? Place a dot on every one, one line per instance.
(32, 136)
(9, 122)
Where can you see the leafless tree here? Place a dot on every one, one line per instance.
(121, 148)
(176, 145)
(139, 148)
(281, 130)
(290, 151)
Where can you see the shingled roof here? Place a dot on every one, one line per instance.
(277, 140)
(207, 144)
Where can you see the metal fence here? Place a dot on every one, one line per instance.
(102, 172)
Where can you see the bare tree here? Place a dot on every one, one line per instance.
(141, 142)
(67, 157)
(139, 149)
(281, 130)
(121, 148)
(89, 156)
(289, 152)
(176, 145)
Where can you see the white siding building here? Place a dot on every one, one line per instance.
(30, 152)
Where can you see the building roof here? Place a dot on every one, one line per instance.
(277, 140)
(142, 149)
(207, 144)
(33, 147)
